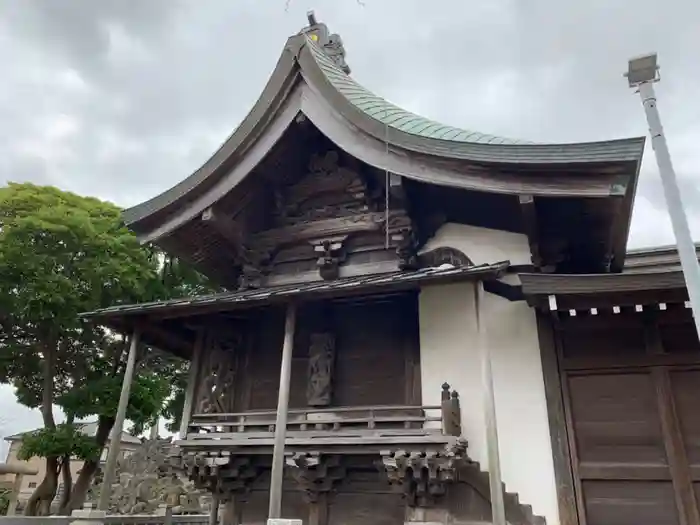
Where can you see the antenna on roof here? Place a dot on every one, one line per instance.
(311, 18)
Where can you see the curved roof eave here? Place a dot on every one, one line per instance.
(424, 168)
(342, 91)
(302, 58)
(273, 96)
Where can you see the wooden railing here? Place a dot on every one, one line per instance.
(444, 418)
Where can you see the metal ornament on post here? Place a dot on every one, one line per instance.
(642, 74)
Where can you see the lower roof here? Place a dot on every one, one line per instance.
(154, 320)
(363, 284)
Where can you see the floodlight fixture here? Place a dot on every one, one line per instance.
(642, 75)
(642, 69)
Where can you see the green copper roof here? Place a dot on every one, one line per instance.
(391, 115)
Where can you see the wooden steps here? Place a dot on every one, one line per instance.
(517, 513)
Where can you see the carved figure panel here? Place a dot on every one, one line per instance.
(321, 360)
(336, 209)
(328, 190)
(217, 379)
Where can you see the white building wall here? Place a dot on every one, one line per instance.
(482, 245)
(450, 353)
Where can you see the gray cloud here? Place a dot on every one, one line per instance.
(123, 98)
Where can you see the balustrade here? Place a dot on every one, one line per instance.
(385, 420)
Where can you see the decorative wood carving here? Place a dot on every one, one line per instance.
(330, 208)
(218, 374)
(315, 473)
(252, 263)
(223, 473)
(321, 360)
(444, 255)
(423, 475)
(332, 255)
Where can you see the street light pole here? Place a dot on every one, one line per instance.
(642, 74)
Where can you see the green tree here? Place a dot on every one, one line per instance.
(62, 254)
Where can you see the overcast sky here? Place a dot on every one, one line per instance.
(121, 99)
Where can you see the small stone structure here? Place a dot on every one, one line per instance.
(19, 470)
(146, 479)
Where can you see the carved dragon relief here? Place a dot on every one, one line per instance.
(216, 391)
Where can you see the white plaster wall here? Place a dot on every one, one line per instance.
(482, 245)
(449, 352)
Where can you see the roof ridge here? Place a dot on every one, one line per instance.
(390, 114)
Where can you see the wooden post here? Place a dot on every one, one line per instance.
(214, 514)
(113, 453)
(192, 383)
(275, 508)
(498, 513)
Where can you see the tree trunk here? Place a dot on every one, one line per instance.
(67, 478)
(87, 473)
(39, 503)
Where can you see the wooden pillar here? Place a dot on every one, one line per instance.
(275, 508)
(233, 510)
(318, 510)
(192, 383)
(498, 513)
(214, 514)
(118, 428)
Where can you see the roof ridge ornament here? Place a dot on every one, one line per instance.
(330, 43)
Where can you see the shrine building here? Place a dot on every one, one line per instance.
(457, 326)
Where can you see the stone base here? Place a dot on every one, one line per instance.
(283, 521)
(427, 516)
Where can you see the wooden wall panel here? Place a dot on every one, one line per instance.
(616, 421)
(366, 509)
(376, 350)
(370, 354)
(631, 385)
(626, 503)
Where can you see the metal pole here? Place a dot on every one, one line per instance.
(674, 203)
(498, 511)
(275, 509)
(118, 428)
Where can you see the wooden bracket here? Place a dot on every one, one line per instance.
(528, 211)
(315, 473)
(423, 475)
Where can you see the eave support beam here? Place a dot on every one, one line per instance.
(530, 226)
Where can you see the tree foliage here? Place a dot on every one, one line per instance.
(55, 442)
(60, 255)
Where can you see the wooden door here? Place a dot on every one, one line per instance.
(632, 401)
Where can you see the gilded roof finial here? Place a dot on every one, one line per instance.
(331, 44)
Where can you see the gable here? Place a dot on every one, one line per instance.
(326, 221)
